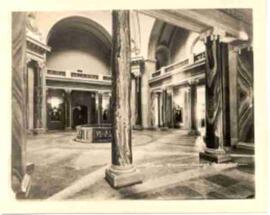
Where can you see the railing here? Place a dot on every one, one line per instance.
(107, 78)
(177, 65)
(199, 57)
(55, 72)
(180, 64)
(83, 75)
(76, 75)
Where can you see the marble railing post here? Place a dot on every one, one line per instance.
(217, 102)
(193, 106)
(122, 172)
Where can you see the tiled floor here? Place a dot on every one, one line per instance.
(168, 161)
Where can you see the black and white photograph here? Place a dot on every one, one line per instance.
(133, 104)
(133, 109)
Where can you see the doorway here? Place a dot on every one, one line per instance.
(80, 115)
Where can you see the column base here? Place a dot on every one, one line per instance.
(39, 130)
(215, 156)
(123, 176)
(194, 132)
(137, 127)
(165, 128)
(68, 128)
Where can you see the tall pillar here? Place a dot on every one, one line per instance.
(99, 107)
(193, 106)
(40, 98)
(122, 172)
(149, 68)
(68, 118)
(217, 103)
(133, 101)
(21, 179)
(233, 95)
(159, 109)
(164, 124)
(138, 104)
(156, 112)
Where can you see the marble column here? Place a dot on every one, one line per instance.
(164, 124)
(122, 172)
(217, 103)
(155, 116)
(99, 107)
(68, 111)
(39, 124)
(21, 172)
(233, 95)
(149, 68)
(159, 109)
(133, 101)
(100, 97)
(138, 104)
(193, 110)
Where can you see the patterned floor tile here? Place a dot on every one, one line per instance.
(222, 180)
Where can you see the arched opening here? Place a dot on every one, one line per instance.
(79, 45)
(162, 57)
(81, 50)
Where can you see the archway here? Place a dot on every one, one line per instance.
(81, 51)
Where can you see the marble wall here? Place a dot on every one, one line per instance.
(245, 96)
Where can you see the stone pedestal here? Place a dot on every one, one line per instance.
(137, 127)
(123, 176)
(215, 156)
(39, 130)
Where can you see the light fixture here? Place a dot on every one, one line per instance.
(55, 102)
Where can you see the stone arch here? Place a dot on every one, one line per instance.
(154, 38)
(83, 23)
(197, 46)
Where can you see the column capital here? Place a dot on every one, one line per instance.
(193, 82)
(223, 36)
(68, 91)
(238, 48)
(41, 64)
(28, 59)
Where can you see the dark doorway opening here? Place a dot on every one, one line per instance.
(80, 115)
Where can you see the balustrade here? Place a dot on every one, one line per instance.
(178, 65)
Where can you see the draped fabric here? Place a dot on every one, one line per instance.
(18, 97)
(217, 101)
(245, 96)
